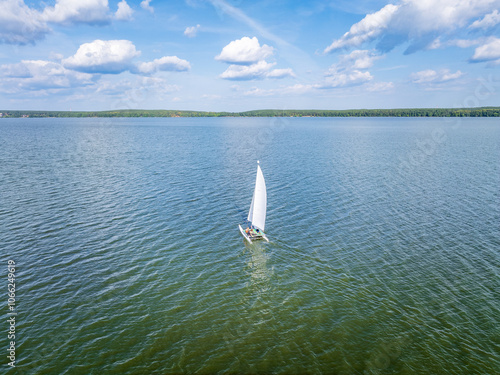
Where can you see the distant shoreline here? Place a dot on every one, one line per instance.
(400, 112)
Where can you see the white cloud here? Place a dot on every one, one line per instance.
(435, 44)
(417, 22)
(490, 20)
(247, 59)
(280, 73)
(19, 70)
(297, 89)
(20, 24)
(113, 88)
(430, 76)
(245, 72)
(489, 51)
(346, 79)
(255, 91)
(259, 70)
(78, 11)
(356, 60)
(299, 60)
(166, 63)
(349, 70)
(124, 12)
(379, 86)
(116, 56)
(54, 56)
(447, 76)
(244, 51)
(465, 43)
(145, 5)
(191, 31)
(158, 85)
(103, 56)
(461, 43)
(34, 75)
(365, 30)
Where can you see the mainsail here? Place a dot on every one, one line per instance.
(257, 214)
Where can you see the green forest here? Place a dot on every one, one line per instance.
(400, 112)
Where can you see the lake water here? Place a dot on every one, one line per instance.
(384, 252)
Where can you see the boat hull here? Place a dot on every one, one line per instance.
(244, 234)
(252, 238)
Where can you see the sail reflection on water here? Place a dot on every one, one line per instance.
(259, 272)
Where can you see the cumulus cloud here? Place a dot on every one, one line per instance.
(280, 73)
(191, 31)
(116, 56)
(349, 71)
(124, 12)
(430, 76)
(19, 70)
(489, 51)
(166, 63)
(245, 72)
(346, 79)
(77, 11)
(33, 75)
(416, 22)
(247, 59)
(244, 51)
(487, 22)
(259, 70)
(103, 56)
(365, 30)
(145, 5)
(356, 60)
(113, 88)
(20, 24)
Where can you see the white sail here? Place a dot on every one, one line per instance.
(257, 214)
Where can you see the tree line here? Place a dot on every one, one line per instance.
(400, 112)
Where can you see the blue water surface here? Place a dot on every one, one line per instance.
(383, 255)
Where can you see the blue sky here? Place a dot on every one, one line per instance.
(236, 55)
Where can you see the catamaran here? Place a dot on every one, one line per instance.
(257, 215)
